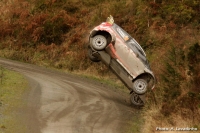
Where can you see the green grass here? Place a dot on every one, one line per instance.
(12, 89)
(135, 126)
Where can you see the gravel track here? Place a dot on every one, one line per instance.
(64, 103)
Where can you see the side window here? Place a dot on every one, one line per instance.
(124, 35)
(133, 45)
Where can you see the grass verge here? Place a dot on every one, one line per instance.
(12, 89)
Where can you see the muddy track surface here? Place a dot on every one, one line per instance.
(64, 103)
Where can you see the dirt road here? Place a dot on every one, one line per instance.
(63, 103)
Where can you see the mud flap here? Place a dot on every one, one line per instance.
(142, 97)
(105, 57)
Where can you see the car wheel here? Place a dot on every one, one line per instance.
(99, 42)
(140, 86)
(91, 57)
(136, 100)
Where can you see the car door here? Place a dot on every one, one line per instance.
(126, 55)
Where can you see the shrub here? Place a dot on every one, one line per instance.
(193, 58)
(172, 79)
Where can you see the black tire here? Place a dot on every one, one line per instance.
(136, 100)
(99, 42)
(140, 86)
(91, 57)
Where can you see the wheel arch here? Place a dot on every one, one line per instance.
(148, 77)
(109, 36)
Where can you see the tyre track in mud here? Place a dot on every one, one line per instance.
(64, 103)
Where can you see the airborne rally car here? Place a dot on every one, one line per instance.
(112, 45)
